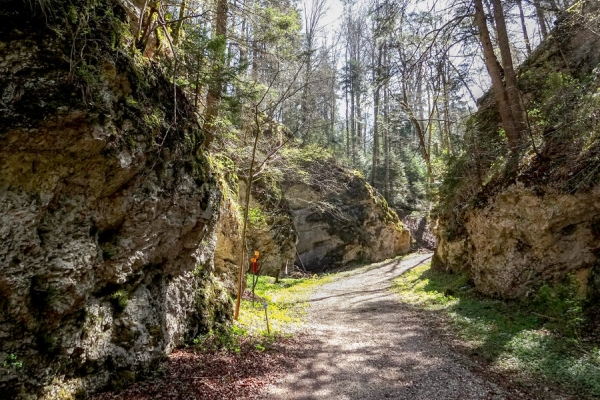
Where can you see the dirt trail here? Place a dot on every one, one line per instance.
(364, 344)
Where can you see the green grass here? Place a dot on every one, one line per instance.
(286, 304)
(536, 340)
(286, 308)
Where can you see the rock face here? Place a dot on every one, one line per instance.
(522, 238)
(276, 240)
(538, 220)
(350, 225)
(107, 213)
(319, 215)
(228, 244)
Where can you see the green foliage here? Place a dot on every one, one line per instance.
(155, 118)
(563, 305)
(525, 339)
(413, 169)
(225, 171)
(256, 218)
(301, 156)
(300, 161)
(279, 28)
(12, 362)
(119, 300)
(554, 95)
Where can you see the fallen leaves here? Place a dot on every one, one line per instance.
(192, 373)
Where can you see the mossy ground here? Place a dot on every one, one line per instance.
(526, 340)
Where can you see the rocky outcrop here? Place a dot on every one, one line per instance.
(108, 211)
(420, 230)
(351, 224)
(523, 238)
(517, 222)
(270, 231)
(310, 211)
(228, 244)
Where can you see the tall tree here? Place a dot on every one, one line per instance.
(510, 77)
(495, 72)
(215, 88)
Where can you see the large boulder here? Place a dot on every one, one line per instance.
(309, 210)
(347, 225)
(523, 238)
(107, 211)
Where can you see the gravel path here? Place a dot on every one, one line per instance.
(364, 344)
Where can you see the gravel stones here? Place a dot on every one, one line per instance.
(365, 344)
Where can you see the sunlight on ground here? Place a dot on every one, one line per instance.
(287, 300)
(513, 337)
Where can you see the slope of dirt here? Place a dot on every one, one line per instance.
(365, 344)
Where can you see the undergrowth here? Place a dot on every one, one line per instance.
(286, 304)
(536, 339)
(286, 309)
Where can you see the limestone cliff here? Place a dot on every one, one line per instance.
(341, 220)
(309, 210)
(108, 208)
(271, 231)
(517, 222)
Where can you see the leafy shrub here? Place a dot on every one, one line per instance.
(256, 218)
(119, 300)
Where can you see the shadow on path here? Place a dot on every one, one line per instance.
(364, 344)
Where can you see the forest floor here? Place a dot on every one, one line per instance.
(359, 340)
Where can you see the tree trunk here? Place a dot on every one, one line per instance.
(376, 94)
(447, 122)
(541, 18)
(215, 88)
(418, 129)
(332, 101)
(493, 68)
(375, 136)
(353, 118)
(524, 27)
(177, 31)
(510, 77)
(305, 110)
(346, 100)
(386, 132)
(359, 118)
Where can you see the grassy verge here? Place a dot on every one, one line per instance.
(538, 340)
(286, 308)
(286, 301)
